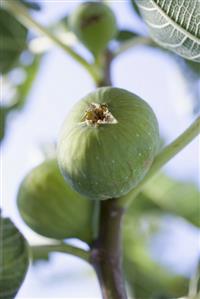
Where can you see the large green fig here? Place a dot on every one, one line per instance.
(108, 143)
(14, 259)
(94, 24)
(50, 207)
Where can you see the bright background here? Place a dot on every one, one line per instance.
(60, 83)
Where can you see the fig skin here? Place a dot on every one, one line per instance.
(94, 24)
(51, 208)
(107, 160)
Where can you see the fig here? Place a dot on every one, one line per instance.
(94, 24)
(50, 207)
(107, 143)
(14, 258)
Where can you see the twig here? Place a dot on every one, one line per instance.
(65, 248)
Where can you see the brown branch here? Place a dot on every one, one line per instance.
(106, 252)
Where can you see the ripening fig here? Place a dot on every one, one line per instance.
(50, 207)
(94, 24)
(108, 143)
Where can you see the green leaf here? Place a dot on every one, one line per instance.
(194, 66)
(3, 116)
(31, 5)
(22, 92)
(125, 35)
(13, 41)
(146, 278)
(162, 195)
(174, 25)
(191, 74)
(136, 8)
(23, 89)
(14, 259)
(180, 198)
(165, 195)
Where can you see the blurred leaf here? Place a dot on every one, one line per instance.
(3, 115)
(169, 26)
(166, 195)
(125, 35)
(14, 259)
(142, 221)
(23, 89)
(136, 8)
(194, 66)
(180, 198)
(13, 41)
(194, 286)
(31, 4)
(22, 92)
(191, 74)
(147, 279)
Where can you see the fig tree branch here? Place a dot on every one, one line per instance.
(63, 248)
(22, 14)
(106, 251)
(162, 158)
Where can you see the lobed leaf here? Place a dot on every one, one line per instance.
(174, 24)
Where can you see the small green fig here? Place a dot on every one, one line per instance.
(94, 24)
(14, 258)
(108, 143)
(50, 207)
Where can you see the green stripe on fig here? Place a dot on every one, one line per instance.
(51, 208)
(107, 160)
(14, 259)
(94, 24)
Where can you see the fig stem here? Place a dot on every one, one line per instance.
(162, 158)
(106, 251)
(104, 64)
(63, 248)
(95, 222)
(22, 14)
